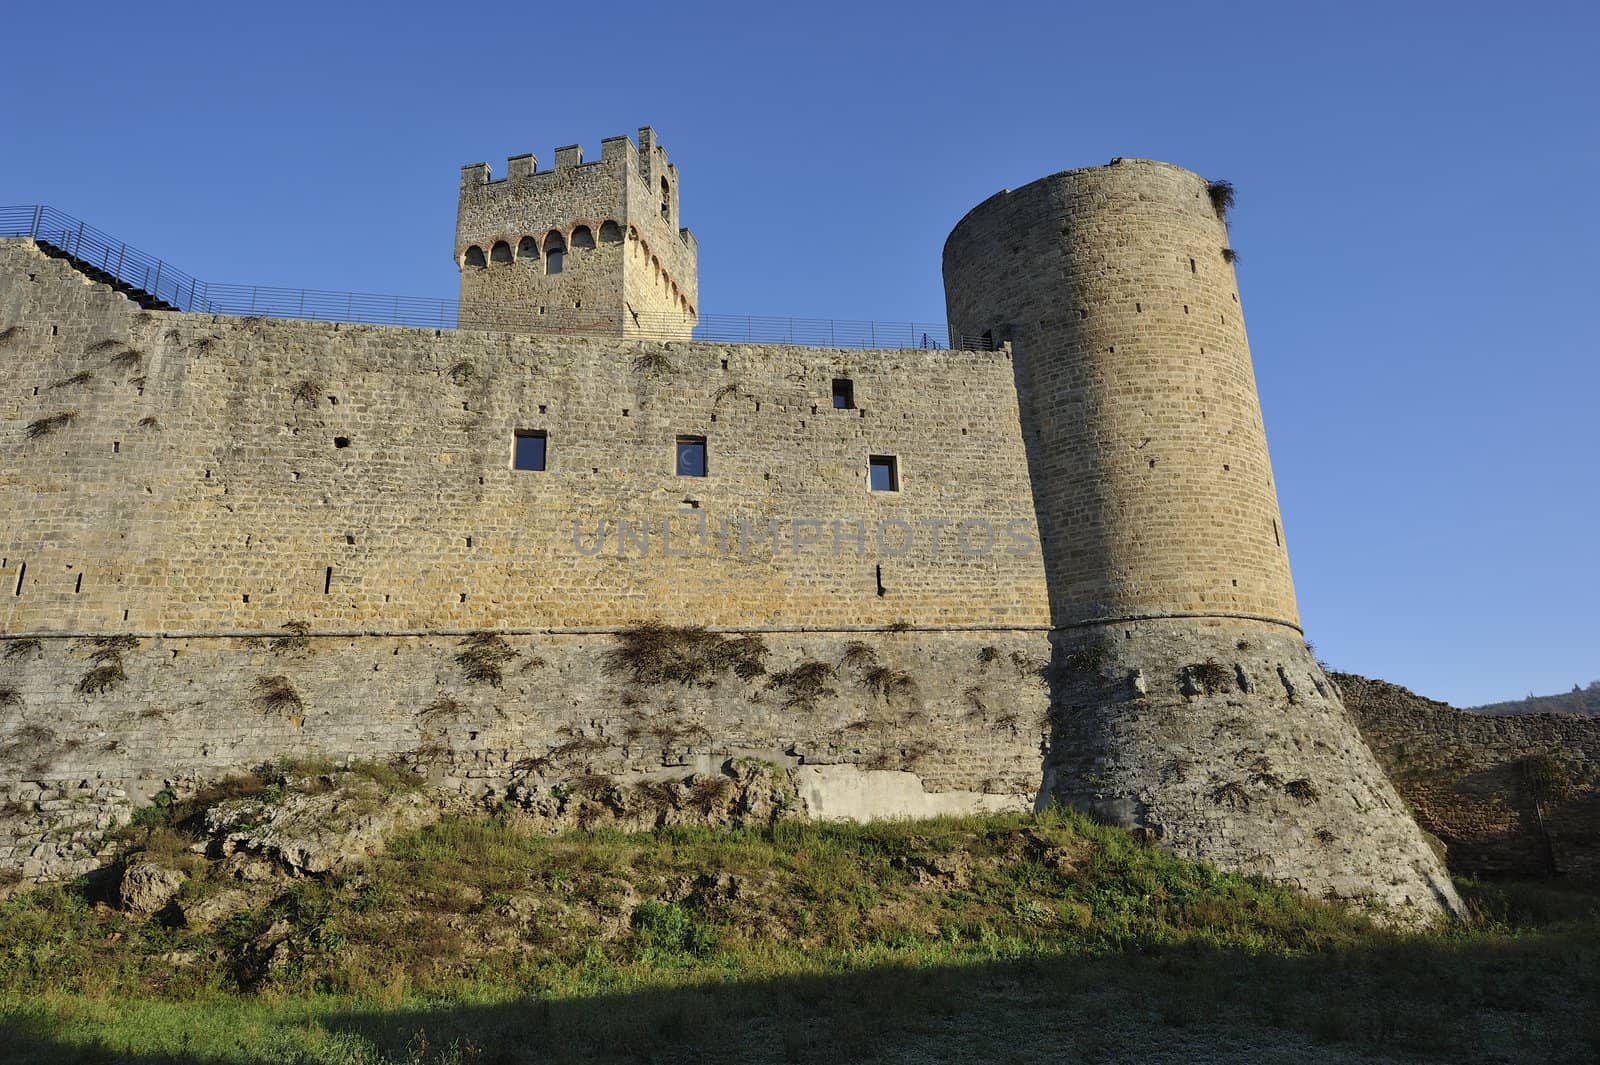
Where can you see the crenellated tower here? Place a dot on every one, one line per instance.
(584, 247)
(1186, 702)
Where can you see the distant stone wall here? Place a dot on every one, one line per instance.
(886, 723)
(1474, 780)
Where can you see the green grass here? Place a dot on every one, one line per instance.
(1004, 938)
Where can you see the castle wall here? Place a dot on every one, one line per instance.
(197, 512)
(962, 732)
(1223, 738)
(1508, 796)
(1149, 456)
(199, 488)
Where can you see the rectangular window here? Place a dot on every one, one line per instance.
(844, 393)
(529, 451)
(883, 473)
(691, 456)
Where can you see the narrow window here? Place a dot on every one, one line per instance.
(691, 456)
(500, 253)
(844, 394)
(582, 238)
(528, 249)
(327, 580)
(555, 253)
(474, 258)
(528, 453)
(666, 200)
(883, 473)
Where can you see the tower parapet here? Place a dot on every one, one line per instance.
(583, 247)
(1185, 701)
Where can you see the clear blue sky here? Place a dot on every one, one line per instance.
(1417, 218)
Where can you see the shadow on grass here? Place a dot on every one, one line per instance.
(1428, 999)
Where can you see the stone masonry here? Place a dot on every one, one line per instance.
(583, 248)
(235, 539)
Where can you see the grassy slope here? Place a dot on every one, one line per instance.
(995, 939)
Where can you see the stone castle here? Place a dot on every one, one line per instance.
(568, 541)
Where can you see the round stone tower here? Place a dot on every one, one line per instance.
(1186, 702)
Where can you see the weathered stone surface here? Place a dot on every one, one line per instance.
(1274, 781)
(1508, 796)
(147, 886)
(310, 834)
(211, 909)
(187, 715)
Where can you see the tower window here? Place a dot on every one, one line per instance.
(528, 451)
(883, 473)
(691, 456)
(528, 248)
(555, 253)
(666, 200)
(610, 233)
(844, 393)
(474, 258)
(500, 253)
(582, 238)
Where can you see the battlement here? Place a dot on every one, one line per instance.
(648, 159)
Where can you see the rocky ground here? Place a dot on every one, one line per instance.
(347, 915)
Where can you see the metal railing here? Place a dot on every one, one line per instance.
(177, 290)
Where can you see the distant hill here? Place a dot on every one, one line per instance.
(1577, 701)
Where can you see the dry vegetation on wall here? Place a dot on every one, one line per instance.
(654, 653)
(227, 939)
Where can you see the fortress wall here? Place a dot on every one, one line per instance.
(202, 469)
(1467, 777)
(1224, 739)
(966, 726)
(1150, 459)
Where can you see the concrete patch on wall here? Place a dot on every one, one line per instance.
(851, 793)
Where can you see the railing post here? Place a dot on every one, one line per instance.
(38, 213)
(121, 252)
(77, 241)
(192, 283)
(156, 288)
